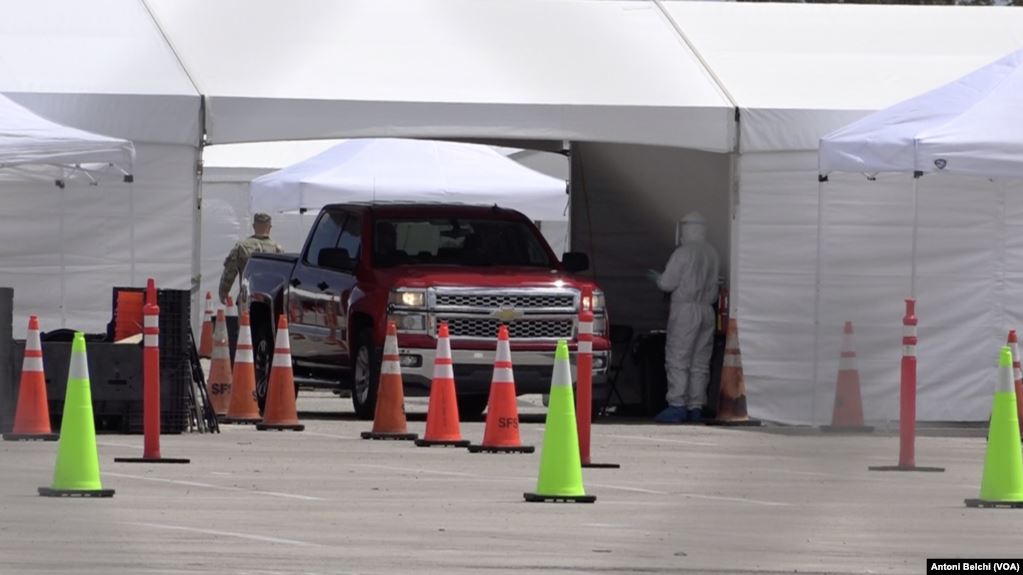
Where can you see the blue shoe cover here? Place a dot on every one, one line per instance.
(672, 414)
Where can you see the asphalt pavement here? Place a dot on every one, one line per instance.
(687, 499)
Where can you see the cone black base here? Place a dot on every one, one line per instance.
(393, 436)
(442, 442)
(735, 422)
(536, 498)
(279, 426)
(602, 465)
(501, 448)
(31, 436)
(48, 492)
(151, 460)
(904, 468)
(238, 421)
(850, 429)
(986, 503)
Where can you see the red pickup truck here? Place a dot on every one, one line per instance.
(474, 267)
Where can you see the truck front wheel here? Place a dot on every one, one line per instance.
(365, 375)
(262, 358)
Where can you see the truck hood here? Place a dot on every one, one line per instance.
(499, 277)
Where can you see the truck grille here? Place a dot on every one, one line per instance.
(485, 328)
(519, 301)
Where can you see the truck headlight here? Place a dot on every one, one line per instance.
(600, 325)
(595, 303)
(408, 298)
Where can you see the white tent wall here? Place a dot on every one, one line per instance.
(64, 249)
(159, 209)
(968, 276)
(626, 201)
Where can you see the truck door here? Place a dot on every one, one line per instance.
(342, 283)
(309, 294)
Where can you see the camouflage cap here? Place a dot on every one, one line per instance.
(261, 218)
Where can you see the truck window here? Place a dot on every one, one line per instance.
(351, 236)
(326, 234)
(453, 241)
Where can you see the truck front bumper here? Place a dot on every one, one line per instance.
(474, 370)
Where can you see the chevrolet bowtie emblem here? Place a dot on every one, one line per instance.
(507, 314)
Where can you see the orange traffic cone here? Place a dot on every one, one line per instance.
(280, 411)
(501, 434)
(442, 415)
(219, 383)
(32, 416)
(732, 395)
(243, 407)
(206, 338)
(1017, 374)
(389, 419)
(848, 412)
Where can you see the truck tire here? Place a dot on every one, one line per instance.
(470, 407)
(262, 359)
(365, 375)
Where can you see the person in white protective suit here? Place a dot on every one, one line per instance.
(691, 276)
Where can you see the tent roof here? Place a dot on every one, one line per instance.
(409, 170)
(799, 71)
(100, 65)
(973, 125)
(27, 139)
(540, 69)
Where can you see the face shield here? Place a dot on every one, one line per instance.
(691, 228)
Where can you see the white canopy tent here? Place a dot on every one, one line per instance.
(963, 143)
(27, 139)
(973, 126)
(102, 66)
(386, 169)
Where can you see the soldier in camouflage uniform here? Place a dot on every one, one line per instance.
(258, 242)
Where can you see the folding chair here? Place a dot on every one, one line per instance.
(621, 346)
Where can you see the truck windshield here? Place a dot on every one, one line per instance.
(456, 241)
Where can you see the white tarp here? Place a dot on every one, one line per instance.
(525, 69)
(27, 138)
(971, 126)
(374, 170)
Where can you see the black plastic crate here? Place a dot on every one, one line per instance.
(116, 385)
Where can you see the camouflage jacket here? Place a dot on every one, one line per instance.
(235, 262)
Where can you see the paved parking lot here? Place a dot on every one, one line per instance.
(686, 499)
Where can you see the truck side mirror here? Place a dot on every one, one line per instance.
(575, 262)
(336, 258)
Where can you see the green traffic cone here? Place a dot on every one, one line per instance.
(561, 474)
(1002, 485)
(77, 471)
